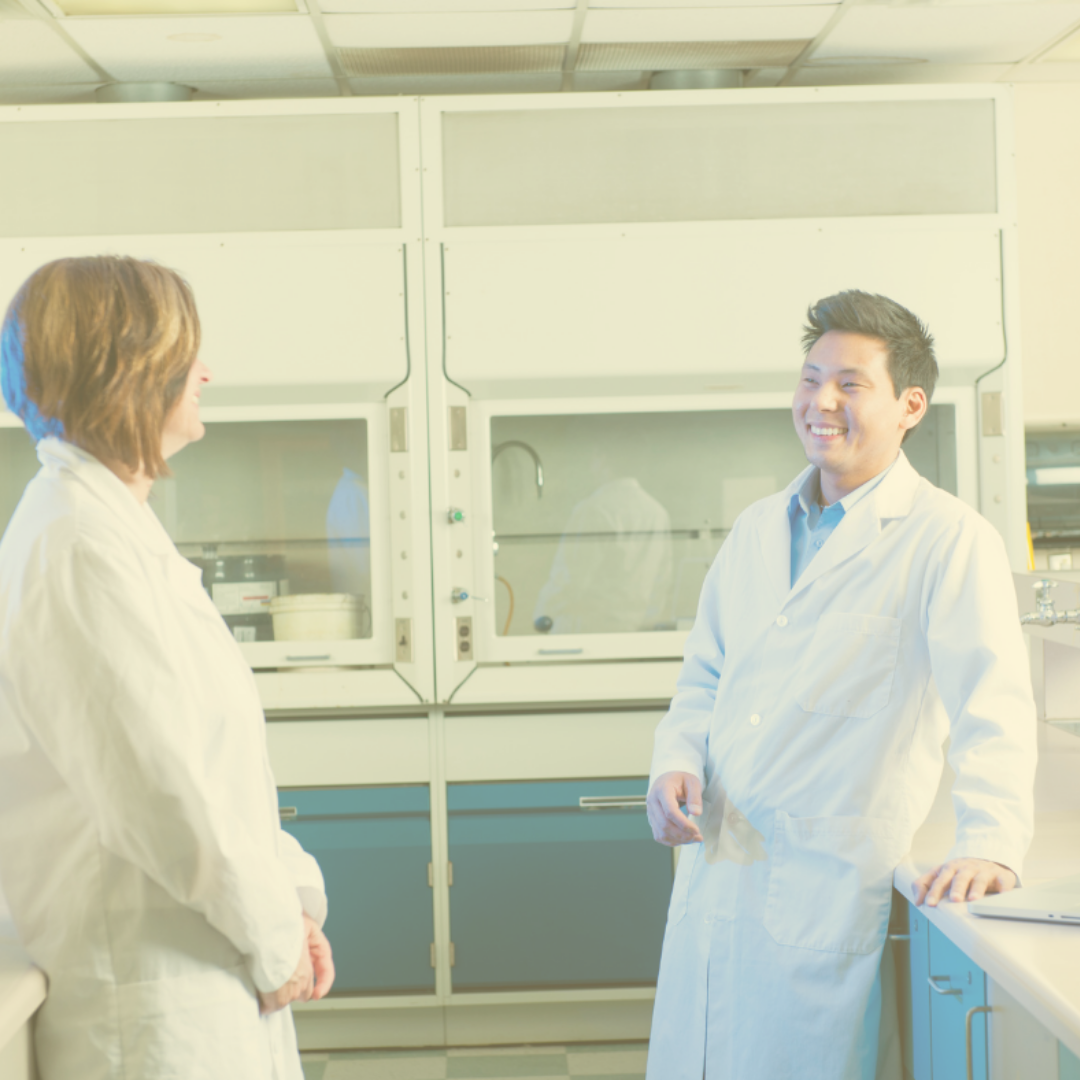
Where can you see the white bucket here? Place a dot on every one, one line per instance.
(317, 617)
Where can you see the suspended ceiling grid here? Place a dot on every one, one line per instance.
(63, 50)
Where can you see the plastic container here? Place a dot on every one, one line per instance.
(317, 617)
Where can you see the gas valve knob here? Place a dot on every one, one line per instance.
(455, 516)
(459, 596)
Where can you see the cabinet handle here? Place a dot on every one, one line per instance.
(560, 652)
(612, 802)
(937, 989)
(287, 813)
(899, 937)
(296, 659)
(967, 1036)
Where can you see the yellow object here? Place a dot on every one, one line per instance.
(1031, 549)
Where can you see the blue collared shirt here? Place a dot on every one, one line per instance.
(812, 524)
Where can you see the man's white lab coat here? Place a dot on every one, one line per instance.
(140, 849)
(816, 717)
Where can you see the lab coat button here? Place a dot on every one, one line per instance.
(755, 719)
(781, 620)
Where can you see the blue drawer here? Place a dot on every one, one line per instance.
(547, 894)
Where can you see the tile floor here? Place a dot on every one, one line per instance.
(605, 1061)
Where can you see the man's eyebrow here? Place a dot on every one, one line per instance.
(842, 371)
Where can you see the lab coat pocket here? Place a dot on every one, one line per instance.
(830, 885)
(850, 665)
(680, 890)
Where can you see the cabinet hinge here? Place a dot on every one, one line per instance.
(449, 873)
(399, 431)
(459, 428)
(433, 954)
(431, 875)
(453, 955)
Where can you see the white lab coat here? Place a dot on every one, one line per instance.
(612, 570)
(140, 849)
(816, 717)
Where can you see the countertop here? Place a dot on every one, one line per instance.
(1037, 963)
(22, 986)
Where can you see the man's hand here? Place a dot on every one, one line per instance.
(963, 879)
(670, 825)
(313, 977)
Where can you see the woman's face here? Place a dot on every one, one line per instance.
(182, 425)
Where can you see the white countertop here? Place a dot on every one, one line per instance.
(1037, 963)
(22, 986)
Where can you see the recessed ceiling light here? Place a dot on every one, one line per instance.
(193, 38)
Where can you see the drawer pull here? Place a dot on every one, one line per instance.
(967, 1036)
(899, 937)
(931, 979)
(305, 659)
(612, 802)
(287, 813)
(560, 652)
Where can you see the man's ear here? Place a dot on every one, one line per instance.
(915, 406)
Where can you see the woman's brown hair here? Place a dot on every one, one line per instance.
(97, 350)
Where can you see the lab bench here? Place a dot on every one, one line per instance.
(1022, 978)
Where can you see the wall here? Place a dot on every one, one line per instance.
(1048, 199)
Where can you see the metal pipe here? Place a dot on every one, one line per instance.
(496, 451)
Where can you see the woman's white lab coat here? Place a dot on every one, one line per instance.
(816, 716)
(140, 849)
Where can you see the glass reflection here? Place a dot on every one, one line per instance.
(608, 523)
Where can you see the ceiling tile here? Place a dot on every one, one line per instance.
(707, 24)
(466, 60)
(686, 55)
(1068, 50)
(12, 9)
(245, 47)
(956, 34)
(31, 54)
(406, 7)
(449, 31)
(668, 5)
(420, 85)
(261, 89)
(896, 74)
(52, 94)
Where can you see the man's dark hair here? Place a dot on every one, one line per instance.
(909, 344)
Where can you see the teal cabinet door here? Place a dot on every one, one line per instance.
(1068, 1064)
(914, 989)
(548, 894)
(374, 846)
(957, 986)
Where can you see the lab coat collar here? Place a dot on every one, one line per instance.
(107, 487)
(891, 498)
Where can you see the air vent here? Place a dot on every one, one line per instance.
(496, 60)
(672, 55)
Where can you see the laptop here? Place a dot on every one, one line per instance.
(1051, 901)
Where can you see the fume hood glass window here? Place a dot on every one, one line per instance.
(276, 514)
(18, 466)
(1053, 490)
(608, 523)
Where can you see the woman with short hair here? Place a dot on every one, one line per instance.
(140, 848)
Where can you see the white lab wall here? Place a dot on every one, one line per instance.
(1048, 199)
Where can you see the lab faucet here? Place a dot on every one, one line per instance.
(1045, 613)
(496, 451)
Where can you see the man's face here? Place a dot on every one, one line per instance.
(847, 414)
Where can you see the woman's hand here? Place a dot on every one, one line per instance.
(313, 977)
(322, 960)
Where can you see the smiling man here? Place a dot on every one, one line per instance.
(849, 626)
